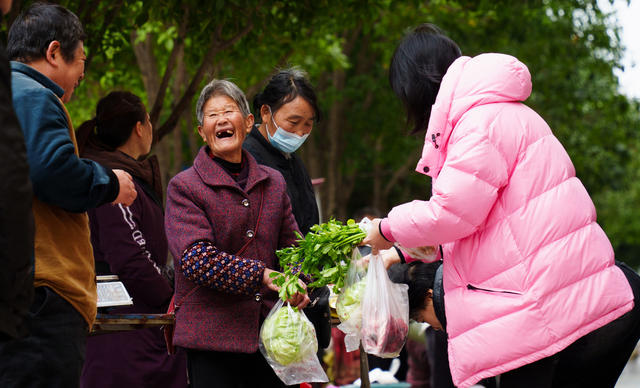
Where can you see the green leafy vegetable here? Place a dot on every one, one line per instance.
(323, 254)
(288, 336)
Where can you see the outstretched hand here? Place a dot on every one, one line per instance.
(375, 239)
(389, 257)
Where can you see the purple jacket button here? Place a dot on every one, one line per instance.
(258, 297)
(245, 202)
(250, 233)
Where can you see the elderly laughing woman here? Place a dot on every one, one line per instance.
(225, 218)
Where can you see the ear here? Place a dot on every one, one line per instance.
(249, 122)
(204, 139)
(265, 113)
(139, 129)
(53, 54)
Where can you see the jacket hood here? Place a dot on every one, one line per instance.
(470, 82)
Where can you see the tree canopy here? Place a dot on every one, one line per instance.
(165, 51)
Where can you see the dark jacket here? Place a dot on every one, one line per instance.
(206, 203)
(16, 217)
(299, 188)
(64, 187)
(130, 241)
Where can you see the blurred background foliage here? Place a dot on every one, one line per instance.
(165, 51)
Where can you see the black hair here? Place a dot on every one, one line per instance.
(419, 276)
(417, 67)
(40, 24)
(116, 116)
(283, 88)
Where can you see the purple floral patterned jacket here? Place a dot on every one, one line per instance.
(204, 203)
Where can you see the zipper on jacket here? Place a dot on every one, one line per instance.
(474, 288)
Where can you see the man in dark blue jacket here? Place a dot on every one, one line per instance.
(46, 46)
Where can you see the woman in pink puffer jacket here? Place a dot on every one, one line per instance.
(527, 271)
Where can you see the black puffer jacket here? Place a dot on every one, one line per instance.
(299, 188)
(16, 217)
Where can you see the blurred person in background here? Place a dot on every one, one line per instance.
(129, 241)
(288, 110)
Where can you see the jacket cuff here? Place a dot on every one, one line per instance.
(113, 189)
(403, 260)
(385, 230)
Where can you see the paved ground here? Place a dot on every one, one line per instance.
(630, 377)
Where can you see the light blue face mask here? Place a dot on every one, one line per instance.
(285, 141)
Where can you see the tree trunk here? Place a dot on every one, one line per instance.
(147, 63)
(377, 177)
(176, 89)
(333, 131)
(184, 102)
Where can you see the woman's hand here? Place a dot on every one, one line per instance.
(389, 257)
(375, 239)
(298, 299)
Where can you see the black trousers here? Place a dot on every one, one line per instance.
(52, 355)
(595, 360)
(229, 370)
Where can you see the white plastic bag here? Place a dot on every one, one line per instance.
(288, 343)
(385, 312)
(348, 305)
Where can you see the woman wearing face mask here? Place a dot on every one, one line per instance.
(288, 109)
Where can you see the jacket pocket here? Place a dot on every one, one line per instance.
(474, 288)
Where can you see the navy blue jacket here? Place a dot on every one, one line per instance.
(59, 177)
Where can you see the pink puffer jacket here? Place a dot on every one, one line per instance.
(527, 270)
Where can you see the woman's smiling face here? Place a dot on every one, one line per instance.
(224, 128)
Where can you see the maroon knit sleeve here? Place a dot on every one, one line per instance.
(206, 265)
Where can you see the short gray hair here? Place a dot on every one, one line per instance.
(222, 87)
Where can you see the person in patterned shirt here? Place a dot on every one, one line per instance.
(225, 218)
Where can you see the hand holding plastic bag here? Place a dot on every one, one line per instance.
(288, 343)
(348, 305)
(385, 312)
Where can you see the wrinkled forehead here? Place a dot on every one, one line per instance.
(220, 101)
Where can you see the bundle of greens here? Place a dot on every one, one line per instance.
(323, 255)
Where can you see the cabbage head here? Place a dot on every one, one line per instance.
(288, 336)
(348, 302)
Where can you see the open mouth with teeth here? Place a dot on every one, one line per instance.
(224, 133)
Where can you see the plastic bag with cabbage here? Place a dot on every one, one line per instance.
(288, 343)
(348, 304)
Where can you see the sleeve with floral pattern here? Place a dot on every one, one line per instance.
(208, 266)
